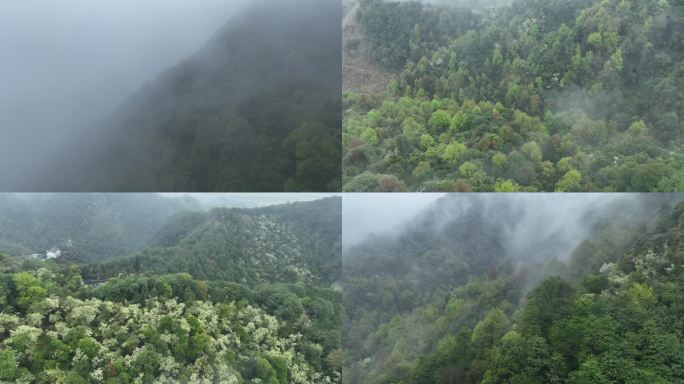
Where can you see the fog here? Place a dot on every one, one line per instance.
(67, 64)
(169, 96)
(247, 200)
(473, 4)
(367, 214)
(529, 225)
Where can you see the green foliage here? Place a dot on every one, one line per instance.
(506, 186)
(439, 121)
(29, 289)
(280, 243)
(163, 339)
(149, 318)
(452, 303)
(570, 182)
(9, 366)
(523, 360)
(538, 316)
(604, 93)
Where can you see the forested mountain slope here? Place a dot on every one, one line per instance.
(85, 227)
(358, 73)
(256, 109)
(541, 95)
(226, 295)
(298, 241)
(478, 291)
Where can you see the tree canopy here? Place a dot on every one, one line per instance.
(532, 96)
(460, 302)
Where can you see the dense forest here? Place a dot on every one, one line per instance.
(257, 108)
(287, 243)
(221, 295)
(513, 289)
(535, 95)
(84, 226)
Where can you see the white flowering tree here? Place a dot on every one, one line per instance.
(49, 337)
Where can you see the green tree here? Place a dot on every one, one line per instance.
(548, 302)
(506, 186)
(570, 182)
(521, 359)
(9, 365)
(439, 121)
(29, 289)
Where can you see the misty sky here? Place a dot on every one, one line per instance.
(539, 214)
(250, 200)
(66, 64)
(377, 213)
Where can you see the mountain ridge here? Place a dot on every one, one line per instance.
(256, 108)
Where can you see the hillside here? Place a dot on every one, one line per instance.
(531, 96)
(226, 295)
(286, 243)
(358, 73)
(503, 288)
(256, 109)
(86, 227)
